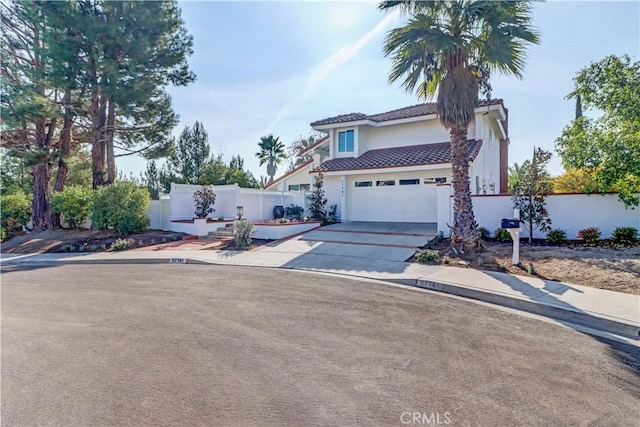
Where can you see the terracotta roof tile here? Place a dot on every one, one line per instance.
(401, 113)
(413, 155)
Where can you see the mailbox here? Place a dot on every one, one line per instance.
(510, 223)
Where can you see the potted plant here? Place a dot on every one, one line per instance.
(204, 199)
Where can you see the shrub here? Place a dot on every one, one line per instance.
(120, 245)
(122, 206)
(502, 235)
(294, 212)
(332, 216)
(3, 234)
(74, 203)
(243, 232)
(484, 233)
(531, 269)
(590, 234)
(317, 200)
(16, 211)
(556, 236)
(625, 235)
(427, 255)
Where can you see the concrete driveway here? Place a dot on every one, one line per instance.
(385, 241)
(210, 345)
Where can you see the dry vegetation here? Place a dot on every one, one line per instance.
(89, 240)
(615, 269)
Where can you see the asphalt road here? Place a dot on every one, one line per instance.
(98, 345)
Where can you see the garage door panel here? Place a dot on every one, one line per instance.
(397, 203)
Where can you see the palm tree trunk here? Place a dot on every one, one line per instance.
(464, 224)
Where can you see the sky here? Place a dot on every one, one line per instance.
(274, 67)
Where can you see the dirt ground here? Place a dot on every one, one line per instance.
(615, 269)
(67, 240)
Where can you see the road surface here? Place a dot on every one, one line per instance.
(93, 345)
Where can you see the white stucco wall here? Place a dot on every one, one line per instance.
(570, 212)
(301, 176)
(486, 166)
(401, 135)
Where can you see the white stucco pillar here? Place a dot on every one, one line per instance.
(343, 198)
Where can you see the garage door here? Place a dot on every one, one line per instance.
(393, 200)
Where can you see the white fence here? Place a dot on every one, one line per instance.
(569, 212)
(257, 204)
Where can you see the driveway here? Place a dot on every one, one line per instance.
(384, 241)
(218, 345)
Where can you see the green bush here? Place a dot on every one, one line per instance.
(502, 235)
(122, 206)
(120, 245)
(16, 211)
(74, 203)
(427, 255)
(294, 212)
(590, 234)
(243, 232)
(625, 235)
(556, 236)
(3, 234)
(484, 233)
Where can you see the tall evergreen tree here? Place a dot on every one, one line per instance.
(191, 154)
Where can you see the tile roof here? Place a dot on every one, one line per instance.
(401, 113)
(314, 145)
(413, 155)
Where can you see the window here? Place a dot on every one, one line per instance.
(363, 184)
(345, 141)
(435, 180)
(409, 181)
(299, 187)
(388, 182)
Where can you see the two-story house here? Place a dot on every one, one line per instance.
(387, 166)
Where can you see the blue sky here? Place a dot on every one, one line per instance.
(274, 67)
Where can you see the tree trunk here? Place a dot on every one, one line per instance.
(65, 150)
(464, 224)
(97, 139)
(41, 207)
(110, 134)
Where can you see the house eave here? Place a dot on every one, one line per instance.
(390, 169)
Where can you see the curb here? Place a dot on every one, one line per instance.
(585, 319)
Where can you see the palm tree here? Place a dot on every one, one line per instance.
(452, 47)
(272, 152)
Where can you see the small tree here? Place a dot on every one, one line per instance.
(204, 199)
(317, 200)
(530, 192)
(74, 203)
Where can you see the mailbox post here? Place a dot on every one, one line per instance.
(512, 225)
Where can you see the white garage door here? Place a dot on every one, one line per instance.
(393, 200)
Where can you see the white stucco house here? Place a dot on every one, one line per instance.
(388, 166)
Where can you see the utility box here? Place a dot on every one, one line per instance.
(510, 223)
